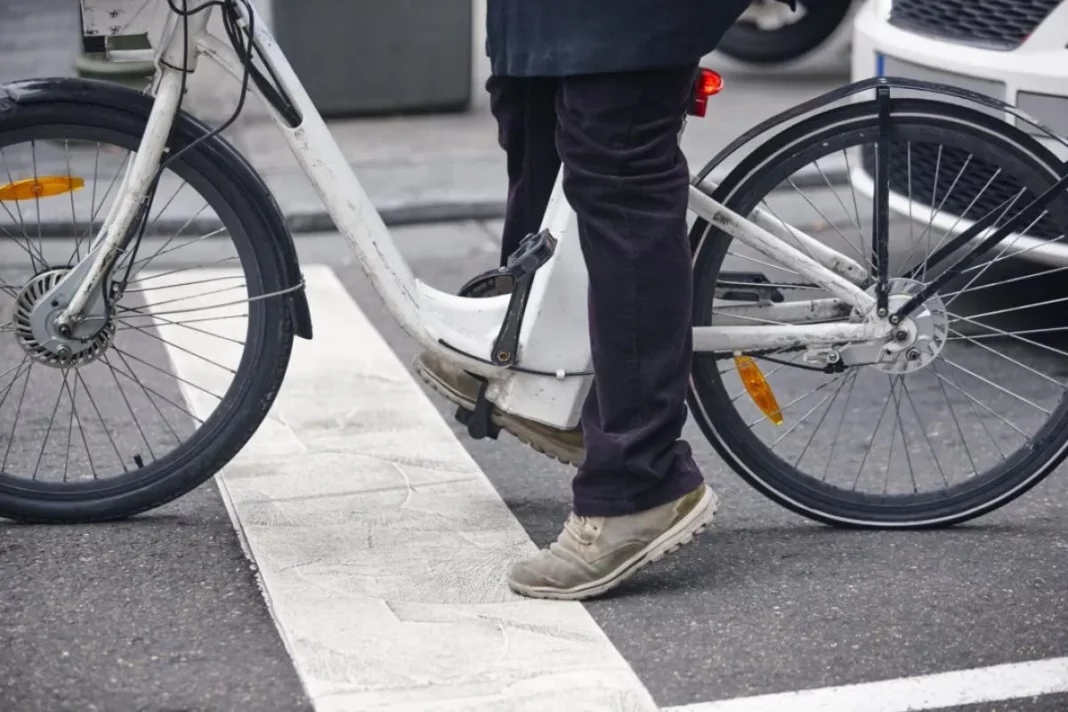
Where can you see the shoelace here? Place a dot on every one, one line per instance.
(578, 527)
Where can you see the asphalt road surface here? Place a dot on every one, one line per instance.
(164, 612)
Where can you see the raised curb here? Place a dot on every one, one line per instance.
(415, 212)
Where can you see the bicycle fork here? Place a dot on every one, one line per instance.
(69, 316)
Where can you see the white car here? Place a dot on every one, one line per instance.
(1012, 50)
(772, 36)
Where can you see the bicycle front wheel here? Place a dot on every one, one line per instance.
(193, 350)
(974, 418)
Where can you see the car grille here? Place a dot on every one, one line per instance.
(997, 24)
(924, 159)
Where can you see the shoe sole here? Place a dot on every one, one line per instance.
(691, 526)
(502, 420)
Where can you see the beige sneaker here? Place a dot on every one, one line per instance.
(461, 388)
(595, 554)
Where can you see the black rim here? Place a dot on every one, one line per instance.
(743, 444)
(202, 437)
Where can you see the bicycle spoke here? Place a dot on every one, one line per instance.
(159, 395)
(196, 296)
(28, 247)
(871, 443)
(956, 422)
(168, 322)
(142, 263)
(70, 423)
(949, 192)
(37, 201)
(17, 367)
(103, 423)
(853, 190)
(81, 431)
(762, 262)
(76, 255)
(979, 403)
(146, 260)
(908, 171)
(990, 383)
(181, 269)
(923, 431)
(176, 285)
(794, 402)
(122, 356)
(127, 354)
(841, 420)
(15, 422)
(1011, 360)
(856, 222)
(70, 194)
(48, 432)
(904, 439)
(840, 379)
(1010, 310)
(133, 416)
(120, 265)
(18, 207)
(1016, 254)
(933, 203)
(1002, 282)
(999, 335)
(148, 333)
(1004, 248)
(824, 218)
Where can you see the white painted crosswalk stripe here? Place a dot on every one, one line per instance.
(382, 546)
(997, 683)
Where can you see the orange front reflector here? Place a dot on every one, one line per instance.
(42, 187)
(758, 388)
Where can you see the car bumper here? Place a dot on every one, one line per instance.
(1031, 78)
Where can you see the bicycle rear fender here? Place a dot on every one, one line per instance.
(189, 128)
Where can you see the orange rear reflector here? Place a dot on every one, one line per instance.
(758, 389)
(41, 187)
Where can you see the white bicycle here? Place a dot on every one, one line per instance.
(88, 342)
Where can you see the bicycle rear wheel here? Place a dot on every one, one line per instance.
(193, 351)
(958, 432)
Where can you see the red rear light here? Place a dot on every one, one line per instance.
(708, 84)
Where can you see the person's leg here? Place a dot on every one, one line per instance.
(639, 493)
(525, 110)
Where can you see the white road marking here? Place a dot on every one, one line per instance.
(911, 694)
(380, 544)
(382, 547)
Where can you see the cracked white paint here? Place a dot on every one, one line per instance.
(382, 546)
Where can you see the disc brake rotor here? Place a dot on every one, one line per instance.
(70, 352)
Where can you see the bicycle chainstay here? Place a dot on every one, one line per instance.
(767, 352)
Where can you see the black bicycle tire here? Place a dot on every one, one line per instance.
(754, 46)
(738, 446)
(264, 361)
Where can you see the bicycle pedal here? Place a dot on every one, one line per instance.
(478, 421)
(533, 252)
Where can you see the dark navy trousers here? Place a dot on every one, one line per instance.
(624, 174)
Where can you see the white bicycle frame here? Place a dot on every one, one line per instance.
(554, 337)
